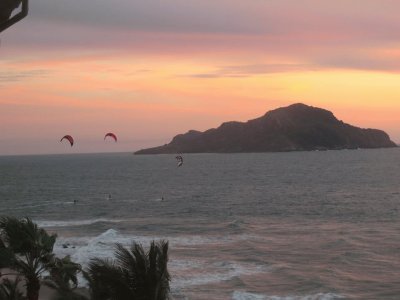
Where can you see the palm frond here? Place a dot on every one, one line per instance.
(9, 290)
(26, 249)
(134, 274)
(23, 236)
(63, 274)
(107, 280)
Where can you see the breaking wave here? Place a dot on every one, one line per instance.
(238, 295)
(75, 222)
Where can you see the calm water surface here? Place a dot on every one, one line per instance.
(304, 225)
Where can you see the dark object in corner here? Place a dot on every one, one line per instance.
(6, 9)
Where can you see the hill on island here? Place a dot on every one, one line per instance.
(298, 127)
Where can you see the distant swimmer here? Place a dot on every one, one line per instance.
(75, 201)
(179, 159)
(162, 198)
(109, 197)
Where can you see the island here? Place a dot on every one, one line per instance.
(298, 127)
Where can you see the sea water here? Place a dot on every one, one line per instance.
(299, 225)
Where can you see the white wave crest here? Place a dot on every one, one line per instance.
(203, 272)
(188, 272)
(238, 295)
(75, 222)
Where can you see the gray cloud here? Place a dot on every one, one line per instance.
(254, 69)
(322, 34)
(351, 61)
(14, 76)
(152, 15)
(360, 19)
(360, 60)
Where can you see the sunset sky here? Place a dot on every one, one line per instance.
(148, 70)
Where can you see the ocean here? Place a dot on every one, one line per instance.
(281, 226)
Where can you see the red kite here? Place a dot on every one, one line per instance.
(111, 135)
(69, 138)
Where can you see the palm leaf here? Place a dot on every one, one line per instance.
(134, 274)
(26, 249)
(9, 290)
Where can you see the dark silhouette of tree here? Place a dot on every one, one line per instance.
(63, 279)
(133, 275)
(9, 290)
(6, 9)
(27, 250)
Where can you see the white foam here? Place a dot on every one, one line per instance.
(203, 272)
(240, 295)
(82, 249)
(247, 296)
(194, 240)
(75, 222)
(103, 244)
(186, 272)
